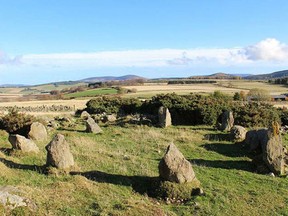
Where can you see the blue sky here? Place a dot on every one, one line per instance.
(53, 40)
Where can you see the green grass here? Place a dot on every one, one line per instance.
(114, 169)
(92, 93)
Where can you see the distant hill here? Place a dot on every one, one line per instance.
(216, 76)
(111, 78)
(274, 75)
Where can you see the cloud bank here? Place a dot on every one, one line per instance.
(269, 50)
(268, 54)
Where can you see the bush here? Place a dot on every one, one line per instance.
(257, 94)
(17, 123)
(192, 109)
(112, 105)
(255, 114)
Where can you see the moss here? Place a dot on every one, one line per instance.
(177, 191)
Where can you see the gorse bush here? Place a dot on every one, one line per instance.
(111, 105)
(16, 123)
(192, 109)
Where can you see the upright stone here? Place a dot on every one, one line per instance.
(58, 153)
(37, 132)
(174, 167)
(23, 144)
(164, 117)
(92, 126)
(227, 121)
(274, 153)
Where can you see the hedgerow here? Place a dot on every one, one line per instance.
(192, 109)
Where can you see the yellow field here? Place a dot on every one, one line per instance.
(150, 89)
(225, 86)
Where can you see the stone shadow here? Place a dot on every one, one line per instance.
(218, 137)
(6, 151)
(140, 184)
(230, 150)
(224, 164)
(13, 165)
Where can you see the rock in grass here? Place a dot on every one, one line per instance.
(174, 167)
(37, 132)
(238, 133)
(92, 126)
(10, 199)
(164, 117)
(84, 115)
(58, 153)
(23, 144)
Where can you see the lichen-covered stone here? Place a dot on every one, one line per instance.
(58, 153)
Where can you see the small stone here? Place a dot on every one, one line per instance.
(23, 144)
(37, 132)
(271, 174)
(92, 126)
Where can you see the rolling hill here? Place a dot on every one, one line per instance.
(274, 75)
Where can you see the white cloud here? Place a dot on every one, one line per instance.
(267, 50)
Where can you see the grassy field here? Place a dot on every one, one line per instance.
(92, 93)
(114, 169)
(225, 86)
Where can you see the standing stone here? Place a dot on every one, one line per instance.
(37, 132)
(58, 153)
(23, 144)
(174, 167)
(164, 117)
(274, 154)
(92, 126)
(238, 133)
(227, 121)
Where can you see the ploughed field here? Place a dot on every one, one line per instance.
(114, 171)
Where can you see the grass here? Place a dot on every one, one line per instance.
(114, 169)
(92, 93)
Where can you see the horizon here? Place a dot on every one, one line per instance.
(52, 41)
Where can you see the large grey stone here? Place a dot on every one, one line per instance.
(174, 167)
(274, 153)
(58, 153)
(92, 126)
(23, 144)
(164, 117)
(256, 138)
(37, 132)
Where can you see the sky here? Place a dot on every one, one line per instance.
(59, 40)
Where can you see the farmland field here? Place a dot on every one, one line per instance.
(92, 93)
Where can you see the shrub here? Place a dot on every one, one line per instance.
(257, 94)
(17, 123)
